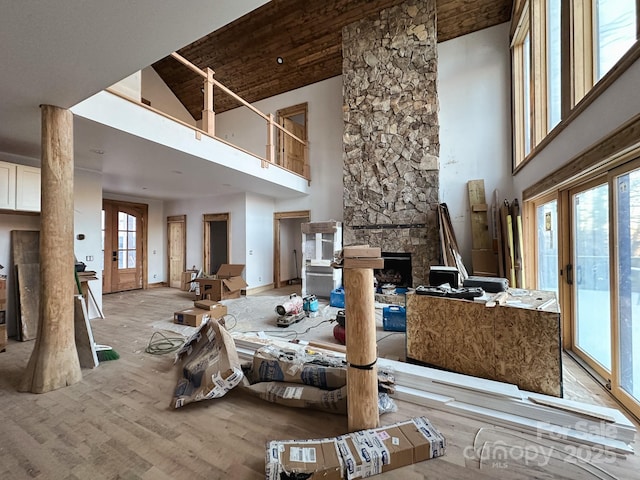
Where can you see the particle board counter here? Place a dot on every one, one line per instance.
(516, 343)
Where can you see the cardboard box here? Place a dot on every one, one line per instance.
(216, 310)
(315, 459)
(209, 366)
(365, 453)
(186, 279)
(370, 452)
(301, 396)
(191, 316)
(271, 363)
(226, 283)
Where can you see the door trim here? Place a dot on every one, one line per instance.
(207, 218)
(143, 209)
(176, 219)
(277, 216)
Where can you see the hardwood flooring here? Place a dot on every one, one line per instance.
(117, 424)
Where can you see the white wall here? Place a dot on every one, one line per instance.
(162, 98)
(130, 86)
(290, 240)
(87, 192)
(156, 236)
(474, 87)
(235, 205)
(259, 218)
(325, 128)
(619, 103)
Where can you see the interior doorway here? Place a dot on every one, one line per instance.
(124, 240)
(216, 241)
(287, 258)
(176, 249)
(291, 153)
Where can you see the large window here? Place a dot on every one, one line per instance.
(522, 125)
(554, 62)
(560, 50)
(614, 32)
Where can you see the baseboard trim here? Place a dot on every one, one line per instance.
(263, 288)
(157, 285)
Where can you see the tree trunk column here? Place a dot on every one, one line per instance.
(54, 361)
(362, 372)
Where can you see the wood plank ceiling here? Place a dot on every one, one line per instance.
(307, 35)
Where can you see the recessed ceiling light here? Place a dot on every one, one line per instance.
(97, 150)
(279, 60)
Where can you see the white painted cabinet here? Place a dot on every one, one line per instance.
(7, 186)
(19, 187)
(27, 188)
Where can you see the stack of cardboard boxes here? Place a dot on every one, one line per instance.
(202, 310)
(226, 283)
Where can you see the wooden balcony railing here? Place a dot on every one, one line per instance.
(208, 117)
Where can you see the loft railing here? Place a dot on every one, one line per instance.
(208, 116)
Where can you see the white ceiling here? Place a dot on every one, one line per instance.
(60, 53)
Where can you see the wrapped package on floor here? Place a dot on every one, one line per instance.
(302, 396)
(271, 363)
(209, 366)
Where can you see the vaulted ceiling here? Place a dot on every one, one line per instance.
(307, 36)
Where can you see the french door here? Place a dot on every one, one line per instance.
(587, 248)
(123, 243)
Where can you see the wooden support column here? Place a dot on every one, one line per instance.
(362, 372)
(271, 146)
(54, 362)
(208, 114)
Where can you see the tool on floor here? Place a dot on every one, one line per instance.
(291, 311)
(310, 305)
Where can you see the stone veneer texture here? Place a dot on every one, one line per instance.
(391, 142)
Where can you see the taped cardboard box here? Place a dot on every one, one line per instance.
(271, 363)
(216, 310)
(210, 366)
(225, 284)
(370, 452)
(313, 459)
(301, 396)
(193, 317)
(364, 453)
(186, 279)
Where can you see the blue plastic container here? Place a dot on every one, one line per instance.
(394, 319)
(336, 299)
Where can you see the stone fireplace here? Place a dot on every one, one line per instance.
(391, 142)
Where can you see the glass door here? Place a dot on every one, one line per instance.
(547, 246)
(588, 275)
(627, 269)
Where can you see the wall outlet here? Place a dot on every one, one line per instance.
(154, 252)
(155, 275)
(259, 279)
(250, 252)
(89, 258)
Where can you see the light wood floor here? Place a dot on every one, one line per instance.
(117, 424)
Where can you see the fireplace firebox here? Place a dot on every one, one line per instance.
(396, 271)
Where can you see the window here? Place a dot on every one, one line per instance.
(554, 61)
(521, 56)
(560, 50)
(614, 32)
